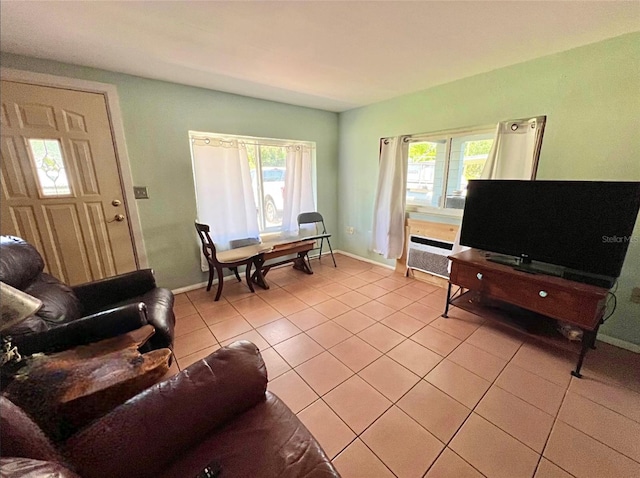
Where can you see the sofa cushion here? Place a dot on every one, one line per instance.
(286, 448)
(20, 262)
(20, 436)
(32, 325)
(59, 303)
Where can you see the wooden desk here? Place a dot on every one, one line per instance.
(67, 390)
(283, 246)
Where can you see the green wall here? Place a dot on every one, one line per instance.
(157, 117)
(591, 96)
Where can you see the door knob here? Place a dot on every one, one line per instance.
(116, 202)
(117, 218)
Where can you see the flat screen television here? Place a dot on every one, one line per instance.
(581, 228)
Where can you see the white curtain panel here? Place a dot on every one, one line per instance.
(224, 197)
(515, 150)
(388, 216)
(514, 155)
(298, 187)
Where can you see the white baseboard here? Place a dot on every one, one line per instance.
(188, 288)
(623, 344)
(364, 259)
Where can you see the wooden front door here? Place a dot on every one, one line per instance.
(61, 187)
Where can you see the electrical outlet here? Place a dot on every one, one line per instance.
(140, 192)
(635, 295)
(350, 230)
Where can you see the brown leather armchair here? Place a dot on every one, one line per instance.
(85, 313)
(215, 413)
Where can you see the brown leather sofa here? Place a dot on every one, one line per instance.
(215, 413)
(86, 313)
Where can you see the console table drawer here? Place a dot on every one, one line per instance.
(553, 302)
(467, 276)
(562, 303)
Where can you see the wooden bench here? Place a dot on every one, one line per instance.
(280, 247)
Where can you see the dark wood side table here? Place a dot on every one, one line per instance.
(493, 290)
(67, 390)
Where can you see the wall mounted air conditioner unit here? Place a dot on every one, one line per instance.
(429, 255)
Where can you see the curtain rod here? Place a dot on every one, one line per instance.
(461, 131)
(283, 144)
(444, 132)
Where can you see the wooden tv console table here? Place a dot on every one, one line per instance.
(491, 284)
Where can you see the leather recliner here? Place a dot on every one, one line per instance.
(78, 315)
(216, 413)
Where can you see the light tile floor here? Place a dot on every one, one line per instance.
(389, 388)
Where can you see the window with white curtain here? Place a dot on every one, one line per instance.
(430, 172)
(278, 173)
(268, 168)
(440, 166)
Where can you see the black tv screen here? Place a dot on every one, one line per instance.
(582, 225)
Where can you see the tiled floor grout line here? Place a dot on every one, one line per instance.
(473, 410)
(467, 418)
(615, 385)
(331, 389)
(599, 441)
(567, 391)
(546, 442)
(603, 405)
(446, 447)
(359, 435)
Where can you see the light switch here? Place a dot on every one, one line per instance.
(140, 192)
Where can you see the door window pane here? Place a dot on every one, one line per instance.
(51, 172)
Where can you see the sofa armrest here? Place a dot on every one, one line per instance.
(92, 328)
(149, 431)
(99, 294)
(159, 302)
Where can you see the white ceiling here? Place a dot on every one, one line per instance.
(332, 55)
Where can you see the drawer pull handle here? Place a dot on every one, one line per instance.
(479, 275)
(543, 293)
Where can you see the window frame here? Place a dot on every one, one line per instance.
(448, 136)
(256, 142)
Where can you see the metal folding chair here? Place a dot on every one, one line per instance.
(316, 219)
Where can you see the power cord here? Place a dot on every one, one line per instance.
(612, 297)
